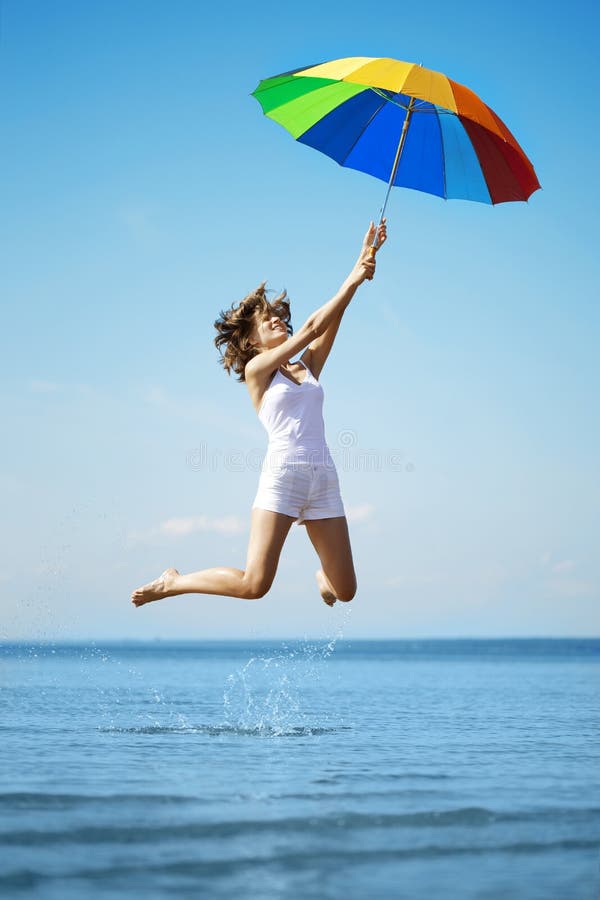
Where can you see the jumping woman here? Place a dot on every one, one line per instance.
(298, 482)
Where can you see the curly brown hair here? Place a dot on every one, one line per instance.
(235, 327)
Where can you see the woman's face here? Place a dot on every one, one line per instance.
(269, 332)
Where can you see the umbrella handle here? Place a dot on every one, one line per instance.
(372, 252)
(374, 245)
(373, 248)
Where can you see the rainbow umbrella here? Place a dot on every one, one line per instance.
(402, 123)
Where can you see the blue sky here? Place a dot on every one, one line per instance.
(143, 191)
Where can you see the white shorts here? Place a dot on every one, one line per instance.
(304, 490)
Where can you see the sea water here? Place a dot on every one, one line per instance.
(301, 769)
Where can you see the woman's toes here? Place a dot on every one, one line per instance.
(324, 588)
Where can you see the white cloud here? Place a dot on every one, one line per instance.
(44, 386)
(483, 576)
(190, 524)
(39, 386)
(200, 411)
(564, 565)
(183, 526)
(360, 513)
(565, 582)
(572, 588)
(140, 224)
(414, 580)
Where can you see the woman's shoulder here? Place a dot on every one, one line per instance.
(249, 368)
(257, 383)
(254, 374)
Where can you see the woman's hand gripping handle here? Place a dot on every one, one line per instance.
(373, 239)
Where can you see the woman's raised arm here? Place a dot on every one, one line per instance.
(318, 321)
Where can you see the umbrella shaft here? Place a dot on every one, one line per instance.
(396, 161)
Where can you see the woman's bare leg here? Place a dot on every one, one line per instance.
(330, 538)
(268, 531)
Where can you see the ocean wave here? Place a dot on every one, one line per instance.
(25, 800)
(290, 861)
(258, 730)
(42, 801)
(347, 822)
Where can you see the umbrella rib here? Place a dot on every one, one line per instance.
(386, 97)
(443, 157)
(418, 106)
(354, 143)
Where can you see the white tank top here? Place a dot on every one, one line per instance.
(293, 417)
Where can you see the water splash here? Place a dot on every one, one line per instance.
(124, 693)
(285, 693)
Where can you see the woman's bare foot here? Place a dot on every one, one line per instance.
(161, 587)
(325, 588)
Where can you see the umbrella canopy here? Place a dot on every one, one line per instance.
(402, 123)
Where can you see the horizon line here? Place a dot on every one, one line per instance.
(208, 640)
